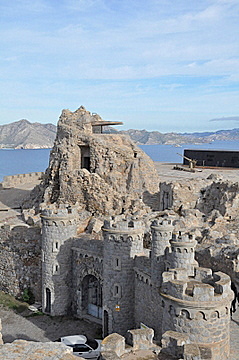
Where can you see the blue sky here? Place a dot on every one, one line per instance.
(153, 64)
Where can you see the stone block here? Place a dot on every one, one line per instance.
(173, 343)
(203, 292)
(202, 273)
(140, 339)
(191, 352)
(113, 343)
(109, 355)
(95, 226)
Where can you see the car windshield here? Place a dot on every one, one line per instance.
(81, 348)
(92, 343)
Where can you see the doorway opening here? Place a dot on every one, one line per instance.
(92, 296)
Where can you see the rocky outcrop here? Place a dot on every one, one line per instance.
(104, 173)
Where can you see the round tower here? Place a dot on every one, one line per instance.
(161, 235)
(195, 301)
(183, 252)
(59, 225)
(123, 240)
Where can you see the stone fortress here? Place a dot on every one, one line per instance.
(117, 242)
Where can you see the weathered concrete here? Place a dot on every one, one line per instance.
(28, 350)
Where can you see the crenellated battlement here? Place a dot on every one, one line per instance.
(184, 238)
(204, 287)
(162, 224)
(13, 180)
(126, 225)
(63, 211)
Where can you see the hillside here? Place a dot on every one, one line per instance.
(25, 135)
(144, 137)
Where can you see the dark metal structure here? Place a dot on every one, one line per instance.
(217, 158)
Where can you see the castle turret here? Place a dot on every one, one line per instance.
(196, 301)
(123, 240)
(183, 252)
(58, 226)
(161, 235)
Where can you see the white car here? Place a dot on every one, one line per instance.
(83, 346)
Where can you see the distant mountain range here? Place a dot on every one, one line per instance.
(25, 135)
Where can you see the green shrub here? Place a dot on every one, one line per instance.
(10, 302)
(28, 296)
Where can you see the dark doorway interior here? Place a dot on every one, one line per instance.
(106, 323)
(85, 157)
(48, 301)
(86, 163)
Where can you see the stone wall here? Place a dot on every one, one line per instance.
(180, 194)
(148, 309)
(20, 263)
(14, 180)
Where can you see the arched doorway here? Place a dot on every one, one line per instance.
(48, 301)
(92, 296)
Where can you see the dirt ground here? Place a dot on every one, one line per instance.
(44, 328)
(28, 326)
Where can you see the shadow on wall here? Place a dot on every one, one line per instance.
(217, 196)
(152, 200)
(20, 260)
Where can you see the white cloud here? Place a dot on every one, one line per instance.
(57, 52)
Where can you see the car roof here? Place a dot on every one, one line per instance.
(74, 339)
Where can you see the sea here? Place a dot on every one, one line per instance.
(22, 161)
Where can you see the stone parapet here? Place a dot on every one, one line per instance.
(13, 180)
(183, 239)
(199, 307)
(142, 276)
(162, 224)
(173, 343)
(120, 225)
(141, 339)
(213, 288)
(60, 212)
